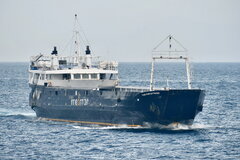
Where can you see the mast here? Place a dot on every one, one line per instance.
(188, 73)
(152, 71)
(76, 40)
(81, 58)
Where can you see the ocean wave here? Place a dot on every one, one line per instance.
(10, 112)
(147, 126)
(177, 126)
(108, 127)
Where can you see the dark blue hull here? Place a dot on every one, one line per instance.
(117, 106)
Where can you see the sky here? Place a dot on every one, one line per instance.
(121, 30)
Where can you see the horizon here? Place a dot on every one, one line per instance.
(134, 62)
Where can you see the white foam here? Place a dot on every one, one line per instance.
(178, 126)
(108, 127)
(10, 112)
(173, 126)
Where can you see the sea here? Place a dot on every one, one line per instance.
(215, 133)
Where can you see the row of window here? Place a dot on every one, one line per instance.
(75, 76)
(85, 76)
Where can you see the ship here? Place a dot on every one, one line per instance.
(83, 89)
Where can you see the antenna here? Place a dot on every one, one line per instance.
(76, 41)
(76, 37)
(170, 46)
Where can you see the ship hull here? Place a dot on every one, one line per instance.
(117, 106)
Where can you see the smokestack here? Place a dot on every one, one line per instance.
(88, 59)
(54, 52)
(87, 50)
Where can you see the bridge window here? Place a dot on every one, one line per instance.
(58, 76)
(36, 76)
(85, 76)
(48, 77)
(113, 76)
(109, 76)
(66, 76)
(42, 76)
(102, 76)
(77, 76)
(93, 76)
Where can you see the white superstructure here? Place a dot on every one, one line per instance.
(62, 71)
(79, 71)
